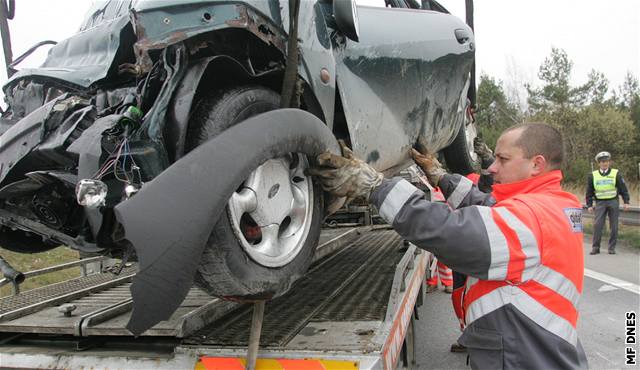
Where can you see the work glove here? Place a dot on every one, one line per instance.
(344, 177)
(430, 166)
(484, 153)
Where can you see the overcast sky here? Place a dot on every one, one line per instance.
(513, 36)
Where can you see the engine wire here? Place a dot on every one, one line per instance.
(118, 156)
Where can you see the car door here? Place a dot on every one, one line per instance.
(407, 78)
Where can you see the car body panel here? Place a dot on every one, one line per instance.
(82, 59)
(405, 78)
(46, 129)
(21, 138)
(317, 54)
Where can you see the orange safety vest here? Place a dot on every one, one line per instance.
(535, 213)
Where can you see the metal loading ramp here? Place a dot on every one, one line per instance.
(350, 286)
(55, 294)
(103, 303)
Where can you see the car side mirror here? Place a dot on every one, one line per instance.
(346, 15)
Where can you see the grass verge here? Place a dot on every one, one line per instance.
(629, 235)
(29, 262)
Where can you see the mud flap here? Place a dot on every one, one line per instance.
(169, 220)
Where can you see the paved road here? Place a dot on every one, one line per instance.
(601, 325)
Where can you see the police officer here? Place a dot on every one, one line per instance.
(605, 185)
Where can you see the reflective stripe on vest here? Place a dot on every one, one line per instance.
(558, 313)
(605, 186)
(509, 237)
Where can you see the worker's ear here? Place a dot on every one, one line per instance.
(539, 165)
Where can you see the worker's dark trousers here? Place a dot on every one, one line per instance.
(604, 207)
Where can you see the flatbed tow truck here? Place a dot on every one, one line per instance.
(354, 309)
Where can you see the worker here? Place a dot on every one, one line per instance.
(520, 304)
(484, 182)
(605, 185)
(416, 177)
(446, 278)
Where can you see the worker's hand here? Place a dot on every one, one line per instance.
(429, 165)
(345, 176)
(484, 153)
(625, 206)
(590, 209)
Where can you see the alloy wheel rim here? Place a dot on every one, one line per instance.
(271, 211)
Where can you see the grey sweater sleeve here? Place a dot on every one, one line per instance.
(467, 239)
(461, 192)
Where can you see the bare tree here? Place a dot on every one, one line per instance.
(514, 85)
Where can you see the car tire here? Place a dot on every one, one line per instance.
(222, 109)
(459, 156)
(227, 269)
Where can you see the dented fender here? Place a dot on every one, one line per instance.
(170, 219)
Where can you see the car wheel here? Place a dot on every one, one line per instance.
(459, 156)
(266, 237)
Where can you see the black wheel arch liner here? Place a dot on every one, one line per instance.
(170, 219)
(175, 132)
(184, 98)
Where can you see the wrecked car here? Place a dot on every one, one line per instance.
(155, 133)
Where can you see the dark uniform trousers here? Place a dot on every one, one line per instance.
(609, 207)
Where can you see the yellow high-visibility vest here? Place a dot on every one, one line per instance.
(605, 186)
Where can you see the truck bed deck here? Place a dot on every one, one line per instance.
(352, 285)
(353, 304)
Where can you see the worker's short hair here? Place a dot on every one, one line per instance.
(541, 139)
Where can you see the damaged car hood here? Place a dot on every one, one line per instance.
(89, 55)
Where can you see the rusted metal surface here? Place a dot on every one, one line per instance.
(152, 37)
(265, 31)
